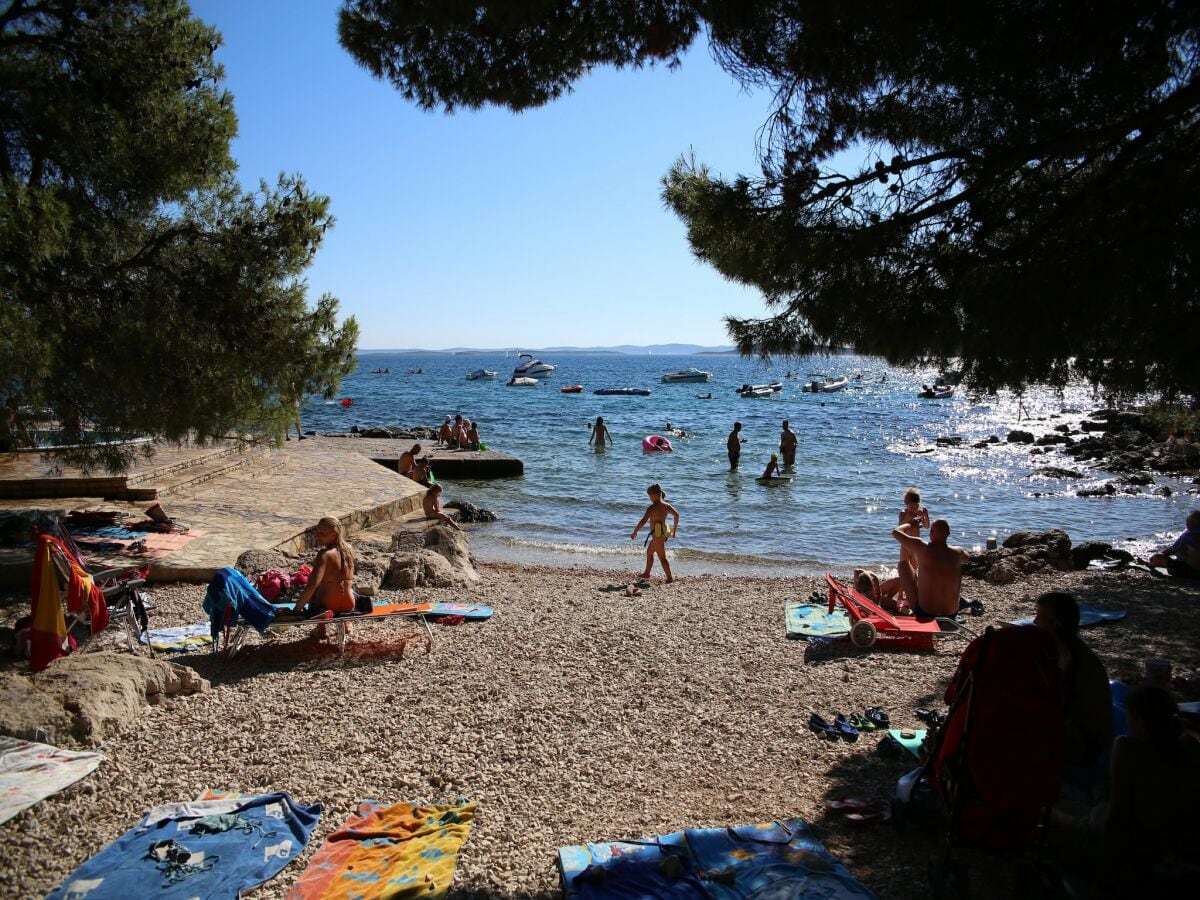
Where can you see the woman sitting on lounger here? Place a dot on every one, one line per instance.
(330, 588)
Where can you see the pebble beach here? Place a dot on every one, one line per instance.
(575, 714)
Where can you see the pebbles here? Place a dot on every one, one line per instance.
(575, 714)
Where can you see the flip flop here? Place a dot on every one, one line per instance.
(935, 718)
(850, 804)
(861, 723)
(879, 716)
(818, 725)
(870, 816)
(845, 730)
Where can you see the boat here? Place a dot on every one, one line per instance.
(622, 392)
(707, 396)
(828, 386)
(381, 371)
(415, 372)
(758, 392)
(656, 443)
(936, 392)
(480, 374)
(759, 388)
(522, 382)
(687, 376)
(532, 368)
(572, 389)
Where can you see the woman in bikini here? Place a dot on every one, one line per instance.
(656, 515)
(330, 588)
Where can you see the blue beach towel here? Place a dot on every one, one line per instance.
(229, 590)
(806, 620)
(189, 854)
(1088, 615)
(771, 859)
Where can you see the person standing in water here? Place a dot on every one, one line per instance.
(656, 515)
(734, 446)
(787, 444)
(600, 434)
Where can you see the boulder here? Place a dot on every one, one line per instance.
(260, 560)
(1082, 554)
(1105, 490)
(469, 512)
(382, 433)
(1055, 541)
(1002, 573)
(1162, 491)
(1020, 437)
(1139, 478)
(85, 697)
(950, 441)
(1055, 472)
(433, 557)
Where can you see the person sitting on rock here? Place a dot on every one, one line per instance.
(408, 459)
(432, 504)
(1182, 558)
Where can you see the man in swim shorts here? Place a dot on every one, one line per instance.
(408, 461)
(787, 445)
(934, 588)
(734, 445)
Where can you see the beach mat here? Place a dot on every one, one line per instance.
(197, 850)
(394, 851)
(1088, 615)
(771, 859)
(805, 620)
(179, 639)
(472, 612)
(116, 544)
(31, 772)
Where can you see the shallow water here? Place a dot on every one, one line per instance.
(859, 449)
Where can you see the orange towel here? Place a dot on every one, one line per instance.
(48, 630)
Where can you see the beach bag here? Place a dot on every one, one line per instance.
(363, 605)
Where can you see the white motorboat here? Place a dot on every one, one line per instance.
(687, 376)
(760, 392)
(479, 374)
(760, 389)
(522, 381)
(827, 386)
(532, 367)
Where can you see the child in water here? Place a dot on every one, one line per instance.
(656, 515)
(772, 469)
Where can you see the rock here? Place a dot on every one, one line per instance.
(1105, 490)
(84, 696)
(1002, 573)
(1020, 437)
(1162, 491)
(434, 557)
(382, 433)
(369, 572)
(253, 561)
(1065, 429)
(1082, 554)
(1056, 541)
(981, 445)
(1138, 478)
(469, 512)
(1055, 472)
(951, 441)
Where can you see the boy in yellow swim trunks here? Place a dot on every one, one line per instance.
(656, 515)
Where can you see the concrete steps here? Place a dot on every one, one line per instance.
(189, 474)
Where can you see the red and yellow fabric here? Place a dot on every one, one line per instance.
(48, 629)
(400, 851)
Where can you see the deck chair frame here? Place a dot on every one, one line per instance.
(122, 589)
(235, 643)
(870, 624)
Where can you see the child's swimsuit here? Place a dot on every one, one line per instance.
(661, 530)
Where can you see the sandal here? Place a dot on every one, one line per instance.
(879, 813)
(879, 716)
(850, 804)
(818, 725)
(861, 723)
(844, 729)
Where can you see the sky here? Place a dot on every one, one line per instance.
(489, 228)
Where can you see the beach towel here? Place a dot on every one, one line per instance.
(394, 851)
(805, 620)
(771, 859)
(30, 772)
(197, 851)
(179, 639)
(1088, 615)
(230, 597)
(48, 626)
(471, 612)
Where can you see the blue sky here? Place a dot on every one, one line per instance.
(490, 229)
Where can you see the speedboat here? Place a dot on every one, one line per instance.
(759, 388)
(479, 374)
(622, 392)
(532, 367)
(572, 389)
(522, 382)
(828, 386)
(687, 376)
(762, 391)
(936, 392)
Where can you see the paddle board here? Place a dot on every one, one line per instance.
(472, 612)
(770, 479)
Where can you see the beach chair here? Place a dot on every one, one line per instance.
(415, 613)
(124, 605)
(871, 625)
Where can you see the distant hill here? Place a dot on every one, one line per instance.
(630, 349)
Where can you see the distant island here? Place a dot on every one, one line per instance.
(627, 349)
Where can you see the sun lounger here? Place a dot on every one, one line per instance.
(872, 625)
(416, 612)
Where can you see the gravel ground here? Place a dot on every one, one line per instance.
(576, 714)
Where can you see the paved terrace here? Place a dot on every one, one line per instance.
(255, 499)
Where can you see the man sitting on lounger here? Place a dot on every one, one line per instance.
(933, 588)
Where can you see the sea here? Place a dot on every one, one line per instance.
(859, 450)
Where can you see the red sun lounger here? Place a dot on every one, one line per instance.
(872, 625)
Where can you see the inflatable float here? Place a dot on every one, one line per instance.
(656, 443)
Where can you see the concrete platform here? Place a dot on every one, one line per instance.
(272, 502)
(448, 465)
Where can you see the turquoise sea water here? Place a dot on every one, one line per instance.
(859, 449)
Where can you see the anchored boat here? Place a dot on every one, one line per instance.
(532, 367)
(827, 386)
(480, 374)
(622, 392)
(687, 376)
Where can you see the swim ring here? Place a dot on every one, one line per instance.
(656, 443)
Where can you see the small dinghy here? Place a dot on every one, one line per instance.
(622, 392)
(522, 382)
(480, 374)
(827, 386)
(572, 389)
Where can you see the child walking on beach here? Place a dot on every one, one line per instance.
(656, 515)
